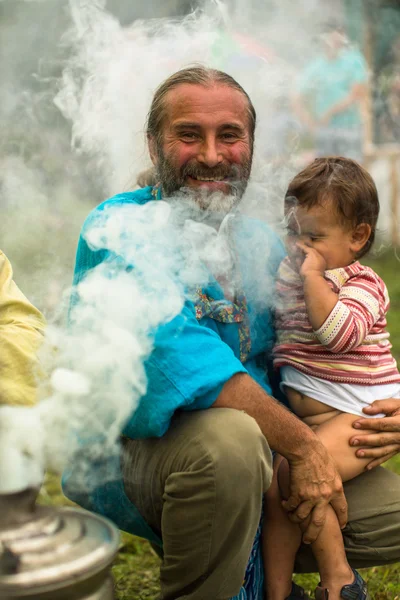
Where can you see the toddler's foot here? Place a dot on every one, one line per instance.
(353, 591)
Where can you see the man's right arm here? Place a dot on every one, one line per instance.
(315, 482)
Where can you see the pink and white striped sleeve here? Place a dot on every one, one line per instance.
(362, 301)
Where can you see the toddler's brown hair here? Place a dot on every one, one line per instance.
(344, 183)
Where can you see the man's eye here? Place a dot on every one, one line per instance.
(189, 135)
(230, 137)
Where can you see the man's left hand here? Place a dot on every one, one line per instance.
(384, 440)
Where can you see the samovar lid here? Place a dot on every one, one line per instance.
(47, 548)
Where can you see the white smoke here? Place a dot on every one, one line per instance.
(97, 373)
(109, 74)
(113, 71)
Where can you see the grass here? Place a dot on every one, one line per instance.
(137, 566)
(388, 267)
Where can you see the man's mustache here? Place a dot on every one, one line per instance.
(218, 172)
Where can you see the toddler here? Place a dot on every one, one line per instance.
(333, 353)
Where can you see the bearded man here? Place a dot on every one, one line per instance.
(196, 454)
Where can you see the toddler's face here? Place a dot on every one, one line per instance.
(319, 228)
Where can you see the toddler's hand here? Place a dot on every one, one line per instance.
(313, 263)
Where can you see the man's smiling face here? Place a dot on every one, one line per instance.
(206, 143)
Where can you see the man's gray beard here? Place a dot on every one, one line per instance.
(218, 202)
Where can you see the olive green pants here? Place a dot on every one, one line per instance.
(200, 488)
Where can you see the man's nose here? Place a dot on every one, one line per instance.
(210, 153)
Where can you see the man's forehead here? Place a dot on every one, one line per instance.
(196, 102)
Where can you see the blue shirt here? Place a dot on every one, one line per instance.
(194, 354)
(330, 81)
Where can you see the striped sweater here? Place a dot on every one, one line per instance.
(352, 346)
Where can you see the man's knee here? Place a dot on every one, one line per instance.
(372, 536)
(218, 456)
(238, 450)
(221, 474)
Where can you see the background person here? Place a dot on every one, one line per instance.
(329, 94)
(21, 334)
(388, 96)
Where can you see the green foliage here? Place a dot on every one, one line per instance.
(388, 267)
(136, 570)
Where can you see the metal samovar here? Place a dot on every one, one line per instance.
(54, 554)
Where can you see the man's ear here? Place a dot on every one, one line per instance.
(152, 144)
(360, 236)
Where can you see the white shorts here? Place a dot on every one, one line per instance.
(348, 398)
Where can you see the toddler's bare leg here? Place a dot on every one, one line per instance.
(335, 435)
(281, 540)
(328, 549)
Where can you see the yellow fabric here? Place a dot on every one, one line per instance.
(21, 333)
